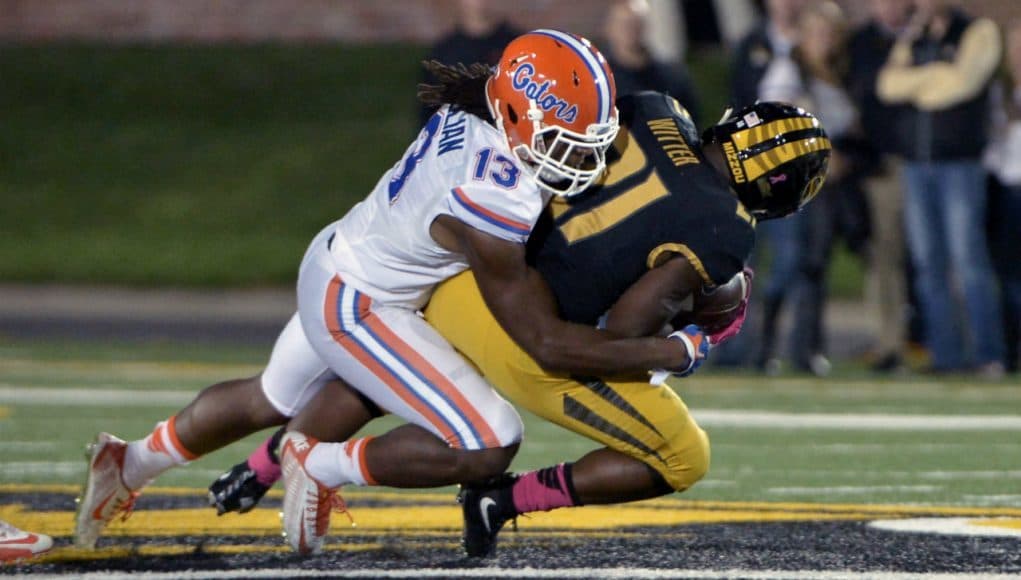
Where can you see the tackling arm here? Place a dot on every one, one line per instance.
(524, 306)
(647, 307)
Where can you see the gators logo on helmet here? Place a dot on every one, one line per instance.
(522, 79)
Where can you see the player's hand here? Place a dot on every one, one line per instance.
(731, 330)
(696, 344)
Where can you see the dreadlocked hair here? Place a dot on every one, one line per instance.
(458, 85)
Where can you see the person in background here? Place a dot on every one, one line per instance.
(778, 80)
(1003, 159)
(942, 66)
(18, 544)
(883, 125)
(635, 69)
(480, 35)
(765, 49)
(815, 82)
(770, 42)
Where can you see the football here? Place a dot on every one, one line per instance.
(713, 311)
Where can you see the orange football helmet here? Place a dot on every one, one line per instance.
(552, 95)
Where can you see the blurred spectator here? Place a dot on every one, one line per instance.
(814, 79)
(883, 126)
(767, 47)
(768, 43)
(1003, 158)
(942, 66)
(480, 35)
(634, 67)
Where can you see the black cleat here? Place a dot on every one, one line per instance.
(486, 508)
(238, 490)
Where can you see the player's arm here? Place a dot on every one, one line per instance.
(524, 306)
(648, 306)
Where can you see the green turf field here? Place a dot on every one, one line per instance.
(847, 439)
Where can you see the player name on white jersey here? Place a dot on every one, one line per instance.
(459, 165)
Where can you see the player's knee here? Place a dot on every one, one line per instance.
(240, 402)
(482, 464)
(688, 463)
(284, 394)
(261, 409)
(506, 426)
(495, 461)
(494, 446)
(249, 395)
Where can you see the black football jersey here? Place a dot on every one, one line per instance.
(659, 195)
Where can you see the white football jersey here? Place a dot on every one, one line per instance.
(459, 165)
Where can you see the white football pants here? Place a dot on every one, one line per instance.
(389, 354)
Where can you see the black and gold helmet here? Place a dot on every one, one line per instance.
(777, 156)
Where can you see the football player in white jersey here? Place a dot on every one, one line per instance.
(465, 195)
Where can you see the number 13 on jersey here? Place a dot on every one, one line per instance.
(497, 168)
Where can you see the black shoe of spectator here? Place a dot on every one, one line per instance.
(934, 371)
(890, 363)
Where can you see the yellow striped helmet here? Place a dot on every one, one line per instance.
(777, 156)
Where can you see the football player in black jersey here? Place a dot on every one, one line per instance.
(672, 216)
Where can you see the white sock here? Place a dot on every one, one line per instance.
(336, 464)
(159, 451)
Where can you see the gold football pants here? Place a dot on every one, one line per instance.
(647, 422)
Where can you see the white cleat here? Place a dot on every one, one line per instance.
(18, 544)
(307, 503)
(105, 496)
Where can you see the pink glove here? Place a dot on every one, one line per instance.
(731, 330)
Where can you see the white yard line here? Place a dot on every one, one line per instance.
(857, 474)
(968, 475)
(495, 572)
(888, 448)
(132, 370)
(28, 446)
(93, 397)
(21, 469)
(948, 526)
(1001, 499)
(968, 390)
(747, 418)
(877, 421)
(18, 470)
(853, 489)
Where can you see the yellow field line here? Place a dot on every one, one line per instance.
(438, 525)
(670, 502)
